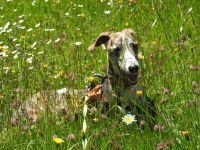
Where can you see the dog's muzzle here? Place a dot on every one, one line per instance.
(132, 77)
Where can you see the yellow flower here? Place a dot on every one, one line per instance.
(58, 140)
(96, 119)
(140, 56)
(139, 93)
(126, 23)
(186, 135)
(90, 79)
(154, 43)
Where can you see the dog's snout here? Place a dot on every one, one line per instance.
(133, 69)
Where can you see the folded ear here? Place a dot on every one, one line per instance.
(103, 38)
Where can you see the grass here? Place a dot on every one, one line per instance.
(168, 33)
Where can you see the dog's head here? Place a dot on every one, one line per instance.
(122, 48)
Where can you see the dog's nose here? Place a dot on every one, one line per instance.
(133, 69)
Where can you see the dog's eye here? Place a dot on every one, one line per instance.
(117, 49)
(134, 47)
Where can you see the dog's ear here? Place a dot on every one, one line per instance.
(131, 32)
(103, 38)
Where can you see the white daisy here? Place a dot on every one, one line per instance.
(128, 119)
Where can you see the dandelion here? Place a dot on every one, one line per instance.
(90, 79)
(139, 92)
(78, 43)
(140, 56)
(58, 140)
(126, 24)
(129, 119)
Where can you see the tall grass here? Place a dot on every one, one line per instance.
(44, 48)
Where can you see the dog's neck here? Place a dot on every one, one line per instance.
(117, 83)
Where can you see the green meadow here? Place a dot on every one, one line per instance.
(44, 47)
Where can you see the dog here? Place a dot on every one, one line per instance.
(120, 84)
(123, 73)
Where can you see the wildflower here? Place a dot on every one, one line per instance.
(140, 56)
(95, 134)
(49, 30)
(158, 127)
(9, 30)
(128, 119)
(29, 30)
(37, 25)
(78, 43)
(57, 40)
(104, 131)
(20, 21)
(189, 10)
(29, 60)
(139, 92)
(107, 12)
(58, 140)
(126, 23)
(61, 91)
(96, 119)
(90, 79)
(66, 14)
(186, 135)
(153, 43)
(162, 49)
(34, 44)
(71, 137)
(49, 42)
(6, 26)
(93, 110)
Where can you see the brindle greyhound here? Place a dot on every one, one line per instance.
(123, 72)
